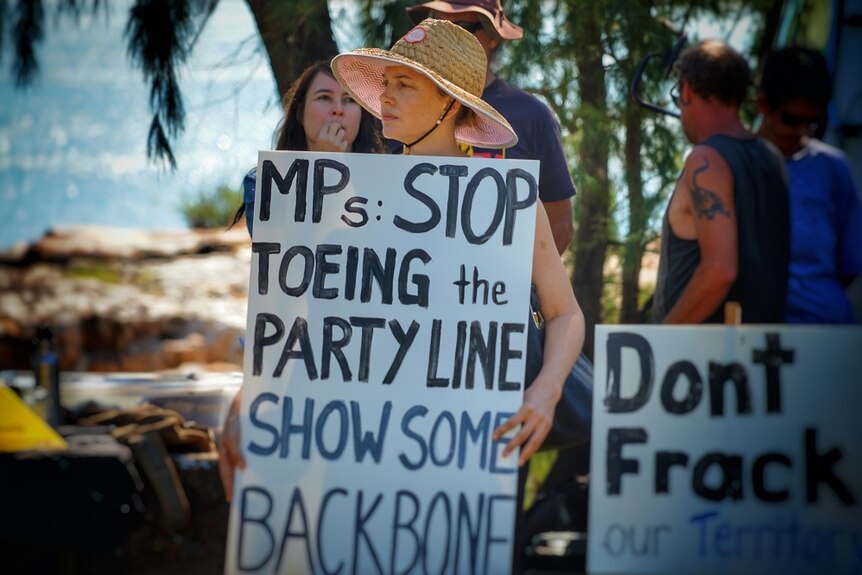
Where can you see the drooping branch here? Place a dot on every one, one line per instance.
(160, 34)
(4, 12)
(295, 34)
(27, 31)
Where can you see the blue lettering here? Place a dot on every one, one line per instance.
(399, 525)
(320, 531)
(245, 518)
(450, 454)
(472, 530)
(498, 444)
(295, 503)
(439, 497)
(255, 405)
(481, 431)
(490, 539)
(331, 407)
(415, 411)
(363, 443)
(289, 428)
(359, 531)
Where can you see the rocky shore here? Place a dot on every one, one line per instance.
(128, 300)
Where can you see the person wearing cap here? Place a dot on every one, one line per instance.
(427, 91)
(726, 231)
(538, 130)
(825, 206)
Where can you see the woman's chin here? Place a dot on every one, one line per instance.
(391, 134)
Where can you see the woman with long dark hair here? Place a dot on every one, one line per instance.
(319, 116)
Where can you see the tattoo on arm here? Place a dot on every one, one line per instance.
(707, 204)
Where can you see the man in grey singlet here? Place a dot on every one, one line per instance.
(725, 235)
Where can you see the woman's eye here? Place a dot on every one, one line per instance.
(349, 100)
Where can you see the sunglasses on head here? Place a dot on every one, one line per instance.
(471, 27)
(794, 120)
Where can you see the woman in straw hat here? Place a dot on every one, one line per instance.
(426, 90)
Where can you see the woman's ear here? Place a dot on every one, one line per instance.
(684, 93)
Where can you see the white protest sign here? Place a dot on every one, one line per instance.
(386, 340)
(726, 450)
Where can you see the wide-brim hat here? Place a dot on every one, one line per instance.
(492, 10)
(450, 57)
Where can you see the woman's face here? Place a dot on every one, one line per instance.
(410, 103)
(329, 115)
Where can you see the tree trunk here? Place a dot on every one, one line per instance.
(634, 245)
(295, 34)
(594, 193)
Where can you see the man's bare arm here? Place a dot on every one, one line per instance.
(710, 184)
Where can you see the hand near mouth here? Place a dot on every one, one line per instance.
(332, 138)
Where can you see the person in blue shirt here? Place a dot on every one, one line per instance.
(825, 206)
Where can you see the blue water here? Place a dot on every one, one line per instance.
(73, 147)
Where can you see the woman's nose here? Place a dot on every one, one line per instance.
(385, 97)
(338, 108)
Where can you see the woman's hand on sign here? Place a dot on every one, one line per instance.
(230, 456)
(564, 337)
(535, 417)
(332, 138)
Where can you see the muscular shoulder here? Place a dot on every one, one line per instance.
(706, 167)
(706, 160)
(708, 181)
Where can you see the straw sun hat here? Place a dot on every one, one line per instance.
(450, 57)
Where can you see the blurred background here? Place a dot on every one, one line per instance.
(73, 143)
(126, 127)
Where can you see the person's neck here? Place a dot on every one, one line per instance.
(765, 131)
(441, 142)
(725, 122)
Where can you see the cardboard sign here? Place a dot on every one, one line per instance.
(386, 340)
(726, 450)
